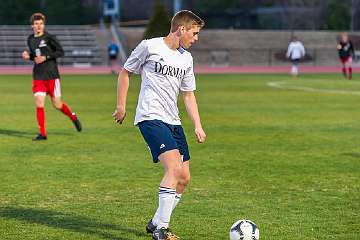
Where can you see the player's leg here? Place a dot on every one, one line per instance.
(55, 93)
(343, 69)
(294, 69)
(179, 136)
(65, 109)
(39, 100)
(39, 91)
(183, 182)
(349, 67)
(158, 136)
(180, 188)
(113, 65)
(172, 164)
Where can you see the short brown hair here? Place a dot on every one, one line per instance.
(36, 17)
(187, 19)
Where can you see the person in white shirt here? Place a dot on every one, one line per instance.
(166, 70)
(295, 53)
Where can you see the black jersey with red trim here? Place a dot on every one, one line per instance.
(45, 45)
(345, 49)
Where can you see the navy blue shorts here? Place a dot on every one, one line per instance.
(162, 137)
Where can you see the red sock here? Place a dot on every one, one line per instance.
(350, 72)
(344, 71)
(40, 116)
(66, 110)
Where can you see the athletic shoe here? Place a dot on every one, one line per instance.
(150, 227)
(77, 124)
(164, 234)
(39, 137)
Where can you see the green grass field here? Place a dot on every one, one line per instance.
(282, 152)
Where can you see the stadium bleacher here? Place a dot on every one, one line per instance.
(85, 45)
(79, 42)
(253, 47)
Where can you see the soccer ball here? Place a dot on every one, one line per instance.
(244, 230)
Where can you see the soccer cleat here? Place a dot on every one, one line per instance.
(150, 227)
(77, 124)
(164, 234)
(39, 137)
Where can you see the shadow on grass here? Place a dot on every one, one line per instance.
(15, 133)
(68, 222)
(353, 154)
(21, 134)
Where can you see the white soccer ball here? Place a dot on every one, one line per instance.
(244, 230)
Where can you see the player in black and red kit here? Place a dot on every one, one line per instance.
(346, 52)
(44, 49)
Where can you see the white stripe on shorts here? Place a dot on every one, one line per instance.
(57, 90)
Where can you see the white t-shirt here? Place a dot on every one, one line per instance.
(295, 50)
(164, 73)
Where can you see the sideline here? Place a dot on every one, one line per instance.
(283, 85)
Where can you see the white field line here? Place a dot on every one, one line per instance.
(282, 85)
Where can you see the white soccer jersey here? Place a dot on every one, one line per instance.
(164, 73)
(295, 50)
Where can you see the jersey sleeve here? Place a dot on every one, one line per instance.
(137, 58)
(57, 50)
(303, 52)
(352, 50)
(289, 50)
(188, 83)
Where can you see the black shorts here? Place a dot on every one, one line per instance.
(162, 137)
(295, 61)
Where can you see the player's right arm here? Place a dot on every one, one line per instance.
(122, 89)
(28, 55)
(132, 65)
(288, 53)
(338, 47)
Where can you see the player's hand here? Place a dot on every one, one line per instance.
(200, 135)
(40, 59)
(25, 55)
(119, 115)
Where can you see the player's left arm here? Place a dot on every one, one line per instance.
(57, 50)
(352, 50)
(193, 112)
(303, 52)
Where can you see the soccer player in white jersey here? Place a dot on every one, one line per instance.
(166, 70)
(295, 52)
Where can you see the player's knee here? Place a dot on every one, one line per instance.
(39, 104)
(185, 180)
(176, 171)
(57, 105)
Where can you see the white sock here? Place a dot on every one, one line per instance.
(156, 218)
(177, 199)
(294, 70)
(166, 203)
